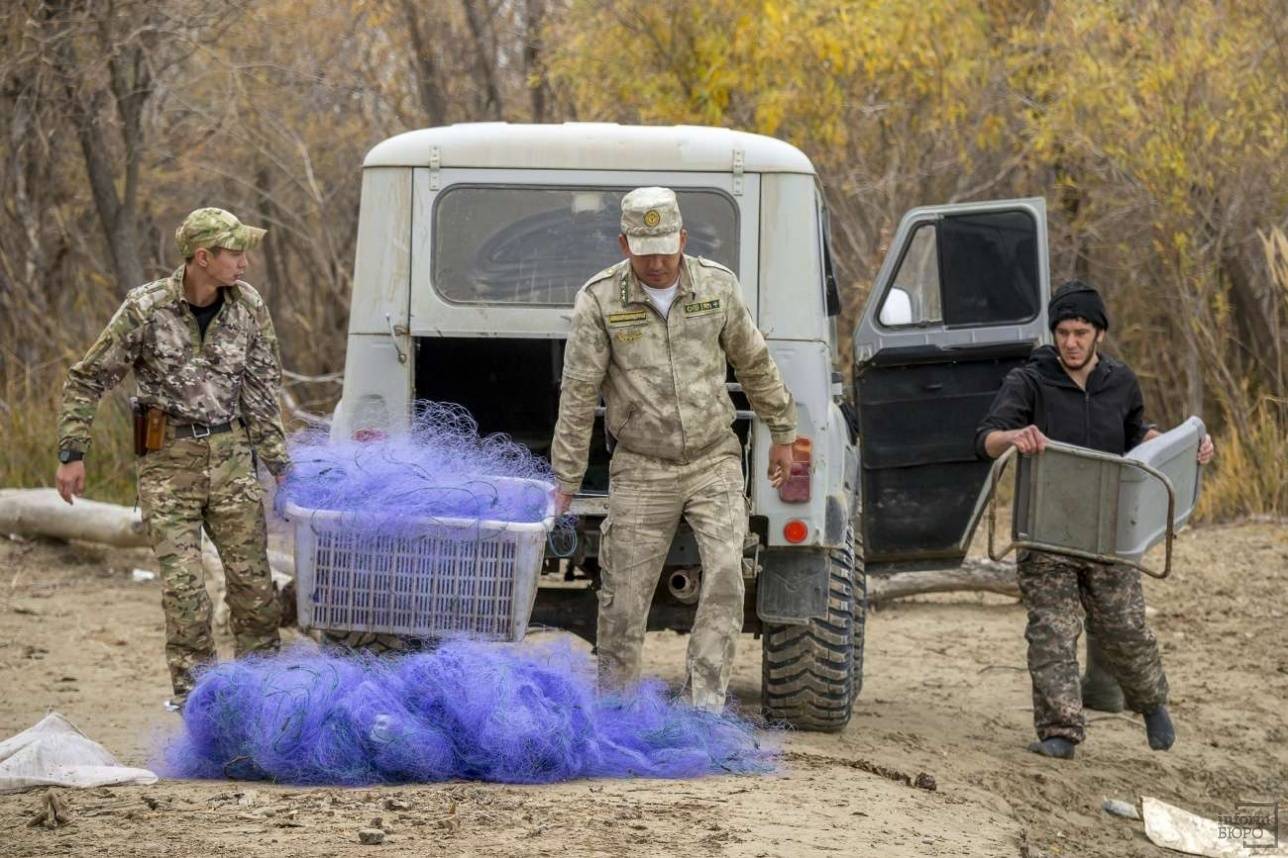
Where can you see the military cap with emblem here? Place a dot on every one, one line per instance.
(211, 227)
(651, 221)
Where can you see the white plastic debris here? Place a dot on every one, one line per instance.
(142, 576)
(55, 753)
(1173, 828)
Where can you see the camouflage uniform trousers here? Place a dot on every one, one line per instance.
(646, 500)
(1054, 589)
(208, 481)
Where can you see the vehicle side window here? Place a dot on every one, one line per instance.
(989, 267)
(966, 270)
(538, 245)
(831, 291)
(914, 297)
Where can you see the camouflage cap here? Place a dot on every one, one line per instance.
(215, 228)
(651, 221)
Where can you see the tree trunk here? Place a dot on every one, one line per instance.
(425, 67)
(484, 59)
(41, 512)
(276, 285)
(117, 213)
(536, 80)
(984, 575)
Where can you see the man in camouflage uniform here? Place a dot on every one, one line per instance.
(203, 350)
(654, 334)
(1071, 393)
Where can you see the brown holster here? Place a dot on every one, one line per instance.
(149, 427)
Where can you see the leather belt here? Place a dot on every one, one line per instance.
(200, 430)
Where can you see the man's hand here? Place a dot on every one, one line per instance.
(1027, 440)
(562, 501)
(70, 479)
(1206, 450)
(780, 464)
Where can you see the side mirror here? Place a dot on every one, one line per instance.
(897, 308)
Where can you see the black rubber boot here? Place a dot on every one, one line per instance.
(1099, 690)
(1159, 729)
(1054, 746)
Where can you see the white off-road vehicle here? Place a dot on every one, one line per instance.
(473, 241)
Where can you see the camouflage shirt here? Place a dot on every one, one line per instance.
(233, 372)
(663, 379)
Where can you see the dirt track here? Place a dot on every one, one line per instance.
(945, 693)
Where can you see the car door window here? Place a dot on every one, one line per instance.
(966, 270)
(914, 297)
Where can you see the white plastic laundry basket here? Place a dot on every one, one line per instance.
(421, 578)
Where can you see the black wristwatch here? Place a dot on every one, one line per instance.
(66, 456)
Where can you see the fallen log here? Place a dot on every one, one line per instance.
(41, 512)
(973, 575)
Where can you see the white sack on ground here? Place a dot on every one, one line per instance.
(55, 753)
(1173, 828)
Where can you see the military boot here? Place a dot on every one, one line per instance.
(1159, 729)
(1054, 746)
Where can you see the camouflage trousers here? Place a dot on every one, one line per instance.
(208, 481)
(1056, 590)
(646, 501)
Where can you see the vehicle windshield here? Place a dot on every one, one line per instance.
(538, 245)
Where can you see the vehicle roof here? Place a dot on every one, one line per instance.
(589, 146)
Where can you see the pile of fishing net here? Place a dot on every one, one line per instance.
(441, 468)
(468, 710)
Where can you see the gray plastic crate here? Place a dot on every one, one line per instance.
(1084, 503)
(426, 578)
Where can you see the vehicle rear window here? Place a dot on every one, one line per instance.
(537, 246)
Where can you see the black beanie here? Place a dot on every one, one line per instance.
(1077, 300)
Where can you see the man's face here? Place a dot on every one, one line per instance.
(224, 266)
(658, 270)
(1077, 341)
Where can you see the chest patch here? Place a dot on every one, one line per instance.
(702, 308)
(628, 319)
(629, 335)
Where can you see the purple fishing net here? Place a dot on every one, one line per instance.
(468, 710)
(441, 468)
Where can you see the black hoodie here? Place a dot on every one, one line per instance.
(1108, 416)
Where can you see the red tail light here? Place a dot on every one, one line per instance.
(796, 488)
(795, 531)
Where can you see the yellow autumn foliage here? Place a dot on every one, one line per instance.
(1156, 131)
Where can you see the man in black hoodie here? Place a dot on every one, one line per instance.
(1072, 393)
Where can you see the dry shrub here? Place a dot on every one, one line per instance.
(1250, 473)
(29, 426)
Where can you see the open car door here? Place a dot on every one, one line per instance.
(960, 300)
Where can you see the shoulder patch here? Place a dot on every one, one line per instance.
(148, 295)
(249, 294)
(602, 275)
(711, 263)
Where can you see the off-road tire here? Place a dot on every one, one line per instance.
(812, 674)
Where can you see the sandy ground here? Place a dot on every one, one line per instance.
(945, 693)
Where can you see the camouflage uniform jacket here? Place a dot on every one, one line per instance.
(663, 379)
(234, 372)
